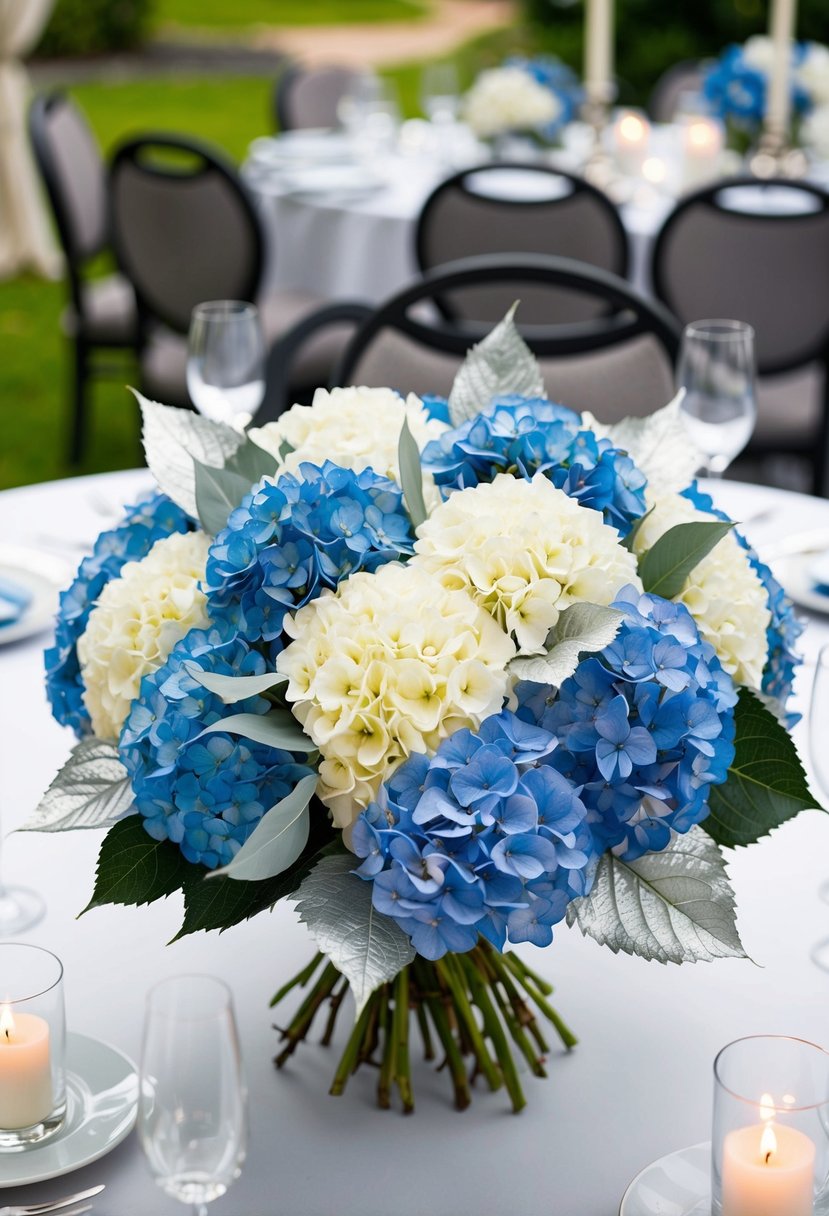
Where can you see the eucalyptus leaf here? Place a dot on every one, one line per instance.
(660, 446)
(367, 947)
(766, 783)
(277, 840)
(218, 492)
(580, 629)
(235, 688)
(664, 569)
(411, 475)
(92, 790)
(251, 462)
(501, 363)
(675, 906)
(173, 438)
(274, 729)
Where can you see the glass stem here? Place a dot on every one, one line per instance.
(199, 1209)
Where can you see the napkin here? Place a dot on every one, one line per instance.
(14, 600)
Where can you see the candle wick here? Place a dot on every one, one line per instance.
(768, 1154)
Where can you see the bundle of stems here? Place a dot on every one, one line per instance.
(472, 1011)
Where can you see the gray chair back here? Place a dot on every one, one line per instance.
(309, 97)
(184, 227)
(520, 209)
(683, 77)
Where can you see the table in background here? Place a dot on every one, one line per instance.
(638, 1086)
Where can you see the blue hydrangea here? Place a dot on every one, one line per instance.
(144, 523)
(483, 838)
(736, 90)
(206, 794)
(290, 539)
(562, 81)
(646, 727)
(526, 435)
(784, 628)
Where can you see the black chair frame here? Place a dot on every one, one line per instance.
(284, 82)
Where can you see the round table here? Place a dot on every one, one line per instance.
(639, 1085)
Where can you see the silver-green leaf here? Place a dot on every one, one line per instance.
(676, 906)
(235, 688)
(367, 947)
(172, 437)
(252, 462)
(278, 839)
(660, 446)
(92, 790)
(581, 629)
(274, 729)
(411, 475)
(218, 492)
(501, 363)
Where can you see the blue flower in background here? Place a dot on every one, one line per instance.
(561, 80)
(144, 523)
(526, 435)
(737, 89)
(290, 539)
(484, 838)
(645, 727)
(784, 628)
(205, 794)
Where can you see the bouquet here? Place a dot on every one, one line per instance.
(736, 85)
(534, 97)
(446, 674)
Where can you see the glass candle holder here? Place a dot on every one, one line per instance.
(770, 1142)
(32, 1046)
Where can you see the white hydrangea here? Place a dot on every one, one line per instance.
(812, 73)
(758, 53)
(357, 428)
(524, 551)
(389, 665)
(723, 593)
(508, 99)
(136, 622)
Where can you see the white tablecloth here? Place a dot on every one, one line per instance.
(638, 1086)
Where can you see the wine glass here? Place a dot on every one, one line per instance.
(440, 93)
(716, 370)
(192, 1106)
(21, 908)
(226, 361)
(819, 758)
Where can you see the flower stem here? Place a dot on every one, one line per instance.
(403, 1074)
(336, 1001)
(387, 1066)
(349, 1059)
(495, 1030)
(298, 1028)
(450, 970)
(299, 980)
(454, 1059)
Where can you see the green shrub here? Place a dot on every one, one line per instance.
(87, 27)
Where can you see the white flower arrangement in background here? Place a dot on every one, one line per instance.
(509, 99)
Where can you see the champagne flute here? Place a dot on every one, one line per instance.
(717, 371)
(192, 1105)
(226, 361)
(819, 758)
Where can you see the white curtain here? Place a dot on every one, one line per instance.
(26, 239)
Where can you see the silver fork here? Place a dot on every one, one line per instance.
(64, 1206)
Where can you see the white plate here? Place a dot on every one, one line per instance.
(43, 576)
(794, 575)
(676, 1185)
(319, 181)
(298, 147)
(102, 1104)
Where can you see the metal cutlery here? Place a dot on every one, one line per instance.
(64, 1206)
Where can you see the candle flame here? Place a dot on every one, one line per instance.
(653, 170)
(632, 128)
(6, 1021)
(766, 1107)
(768, 1143)
(700, 134)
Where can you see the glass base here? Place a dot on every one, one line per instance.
(819, 954)
(20, 909)
(18, 1139)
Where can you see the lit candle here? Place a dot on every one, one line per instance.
(25, 1069)
(781, 31)
(631, 134)
(767, 1170)
(702, 144)
(598, 50)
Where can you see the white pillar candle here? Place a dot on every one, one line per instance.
(25, 1069)
(781, 31)
(767, 1170)
(631, 135)
(598, 50)
(702, 145)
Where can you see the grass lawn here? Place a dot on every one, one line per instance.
(221, 15)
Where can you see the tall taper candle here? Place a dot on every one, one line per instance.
(781, 31)
(598, 50)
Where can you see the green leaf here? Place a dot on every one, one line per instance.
(675, 906)
(664, 569)
(135, 869)
(275, 729)
(278, 839)
(285, 450)
(92, 790)
(251, 462)
(580, 629)
(766, 783)
(630, 539)
(411, 475)
(218, 492)
(501, 363)
(235, 688)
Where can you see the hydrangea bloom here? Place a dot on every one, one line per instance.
(736, 85)
(390, 665)
(207, 795)
(136, 622)
(524, 551)
(290, 539)
(723, 592)
(484, 838)
(509, 99)
(646, 727)
(562, 81)
(144, 523)
(526, 435)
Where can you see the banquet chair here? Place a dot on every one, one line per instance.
(759, 252)
(309, 97)
(185, 230)
(101, 316)
(614, 365)
(520, 209)
(683, 77)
